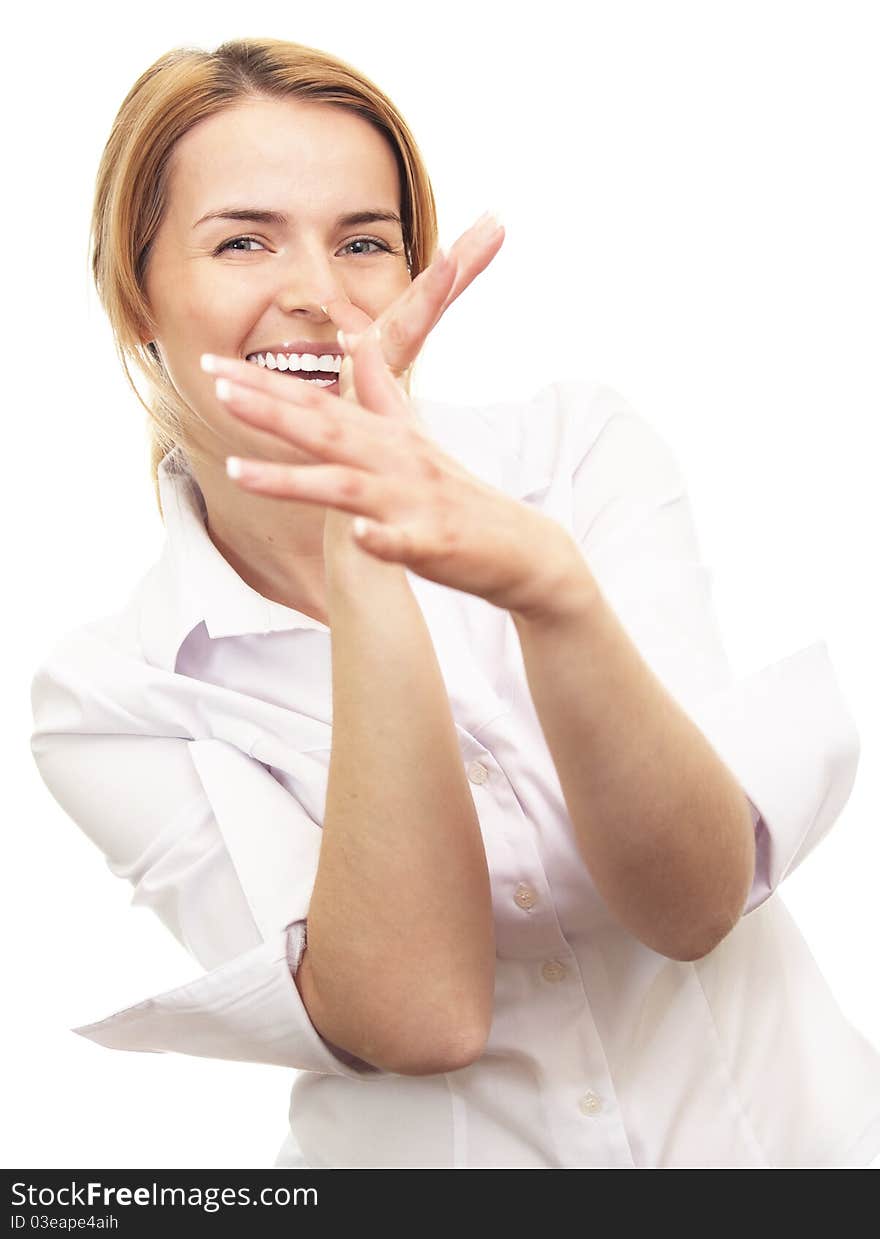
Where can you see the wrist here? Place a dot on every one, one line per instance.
(349, 570)
(565, 590)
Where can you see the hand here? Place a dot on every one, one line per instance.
(424, 510)
(406, 323)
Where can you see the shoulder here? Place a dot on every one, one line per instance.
(517, 444)
(565, 426)
(117, 630)
(90, 671)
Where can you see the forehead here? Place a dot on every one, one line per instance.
(285, 152)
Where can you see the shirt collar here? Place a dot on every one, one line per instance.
(192, 583)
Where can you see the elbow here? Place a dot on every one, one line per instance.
(380, 1040)
(709, 939)
(431, 1039)
(688, 952)
(703, 945)
(450, 1048)
(730, 894)
(461, 1049)
(706, 946)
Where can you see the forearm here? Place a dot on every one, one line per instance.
(662, 824)
(400, 927)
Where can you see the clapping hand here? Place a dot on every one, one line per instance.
(418, 506)
(406, 323)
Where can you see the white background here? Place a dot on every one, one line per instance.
(691, 201)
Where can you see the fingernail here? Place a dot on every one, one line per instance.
(350, 340)
(208, 362)
(233, 466)
(494, 218)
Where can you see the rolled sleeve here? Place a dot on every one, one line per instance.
(785, 732)
(224, 856)
(248, 1009)
(788, 735)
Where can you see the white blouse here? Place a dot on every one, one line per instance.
(189, 736)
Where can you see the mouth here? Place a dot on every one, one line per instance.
(318, 378)
(310, 373)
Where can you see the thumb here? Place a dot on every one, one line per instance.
(345, 314)
(373, 384)
(346, 378)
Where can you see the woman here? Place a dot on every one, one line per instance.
(463, 815)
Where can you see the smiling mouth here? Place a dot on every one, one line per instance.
(322, 378)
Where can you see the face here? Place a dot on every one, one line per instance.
(238, 287)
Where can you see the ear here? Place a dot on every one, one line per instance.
(145, 333)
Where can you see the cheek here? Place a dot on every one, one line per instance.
(207, 295)
(212, 320)
(377, 294)
(219, 432)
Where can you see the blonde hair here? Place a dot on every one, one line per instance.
(181, 88)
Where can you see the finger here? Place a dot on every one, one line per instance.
(385, 541)
(473, 253)
(351, 320)
(279, 383)
(375, 387)
(487, 225)
(346, 315)
(331, 431)
(350, 490)
(407, 322)
(346, 378)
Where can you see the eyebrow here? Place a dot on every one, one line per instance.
(255, 215)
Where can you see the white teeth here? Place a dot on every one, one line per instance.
(296, 361)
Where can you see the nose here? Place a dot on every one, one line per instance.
(309, 283)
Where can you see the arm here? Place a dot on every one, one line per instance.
(399, 964)
(212, 844)
(662, 824)
(639, 702)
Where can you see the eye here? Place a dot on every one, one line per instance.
(368, 241)
(234, 241)
(227, 245)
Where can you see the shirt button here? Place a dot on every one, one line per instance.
(524, 896)
(477, 772)
(590, 1103)
(553, 970)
